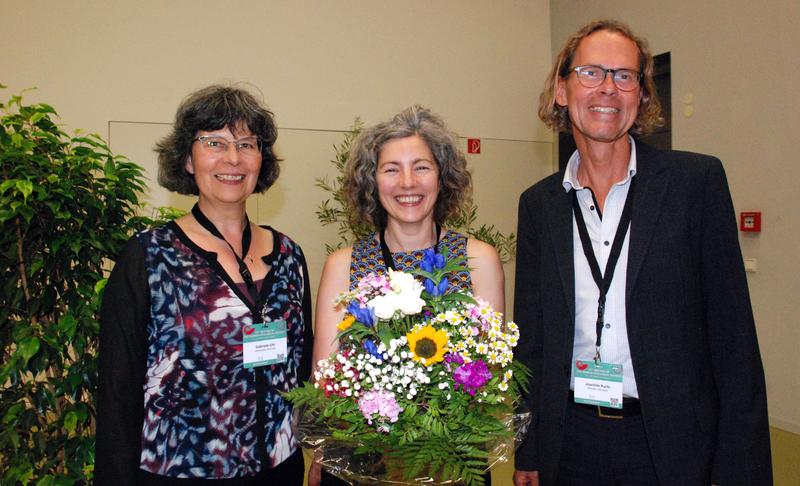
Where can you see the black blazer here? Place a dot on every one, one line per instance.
(690, 325)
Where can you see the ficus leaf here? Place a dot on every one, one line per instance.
(100, 285)
(70, 421)
(24, 187)
(27, 348)
(7, 184)
(66, 325)
(13, 412)
(45, 481)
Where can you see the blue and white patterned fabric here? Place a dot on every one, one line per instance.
(205, 414)
(367, 258)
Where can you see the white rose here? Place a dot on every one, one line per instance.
(410, 305)
(402, 283)
(384, 306)
(407, 290)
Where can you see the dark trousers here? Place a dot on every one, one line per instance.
(604, 451)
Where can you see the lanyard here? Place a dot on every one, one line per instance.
(246, 237)
(261, 378)
(603, 280)
(388, 260)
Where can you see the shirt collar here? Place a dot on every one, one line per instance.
(570, 180)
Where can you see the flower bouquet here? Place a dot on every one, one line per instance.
(423, 387)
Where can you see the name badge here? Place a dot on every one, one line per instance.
(598, 383)
(264, 343)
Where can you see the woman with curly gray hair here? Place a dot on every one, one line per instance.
(206, 320)
(405, 177)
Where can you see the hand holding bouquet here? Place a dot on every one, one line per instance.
(423, 386)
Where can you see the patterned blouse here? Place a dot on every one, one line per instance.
(367, 258)
(204, 414)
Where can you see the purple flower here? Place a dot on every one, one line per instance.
(471, 376)
(451, 358)
(431, 260)
(436, 290)
(364, 315)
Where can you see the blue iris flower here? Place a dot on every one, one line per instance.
(364, 315)
(436, 290)
(372, 349)
(431, 261)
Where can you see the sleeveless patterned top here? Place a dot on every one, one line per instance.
(367, 258)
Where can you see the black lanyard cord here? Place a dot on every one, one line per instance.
(603, 280)
(388, 260)
(247, 236)
(262, 383)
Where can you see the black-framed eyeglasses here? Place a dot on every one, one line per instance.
(591, 76)
(247, 146)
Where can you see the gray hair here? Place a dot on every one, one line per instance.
(361, 188)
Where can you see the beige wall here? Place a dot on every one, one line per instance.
(734, 67)
(120, 68)
(318, 63)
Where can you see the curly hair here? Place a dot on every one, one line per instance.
(213, 108)
(557, 117)
(360, 183)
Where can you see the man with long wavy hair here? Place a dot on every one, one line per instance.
(631, 294)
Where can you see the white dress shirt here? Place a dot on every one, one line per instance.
(614, 346)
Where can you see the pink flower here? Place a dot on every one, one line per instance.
(382, 403)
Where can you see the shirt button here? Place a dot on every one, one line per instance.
(608, 325)
(606, 243)
(591, 208)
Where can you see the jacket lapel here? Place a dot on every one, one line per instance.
(651, 189)
(558, 211)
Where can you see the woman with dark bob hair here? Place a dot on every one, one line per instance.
(405, 177)
(206, 320)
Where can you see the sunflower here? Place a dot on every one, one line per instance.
(427, 344)
(346, 322)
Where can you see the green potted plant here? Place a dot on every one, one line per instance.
(67, 205)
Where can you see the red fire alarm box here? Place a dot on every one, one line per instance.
(750, 221)
(473, 145)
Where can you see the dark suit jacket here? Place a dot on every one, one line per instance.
(690, 325)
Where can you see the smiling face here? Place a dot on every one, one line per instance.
(408, 181)
(605, 113)
(228, 177)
